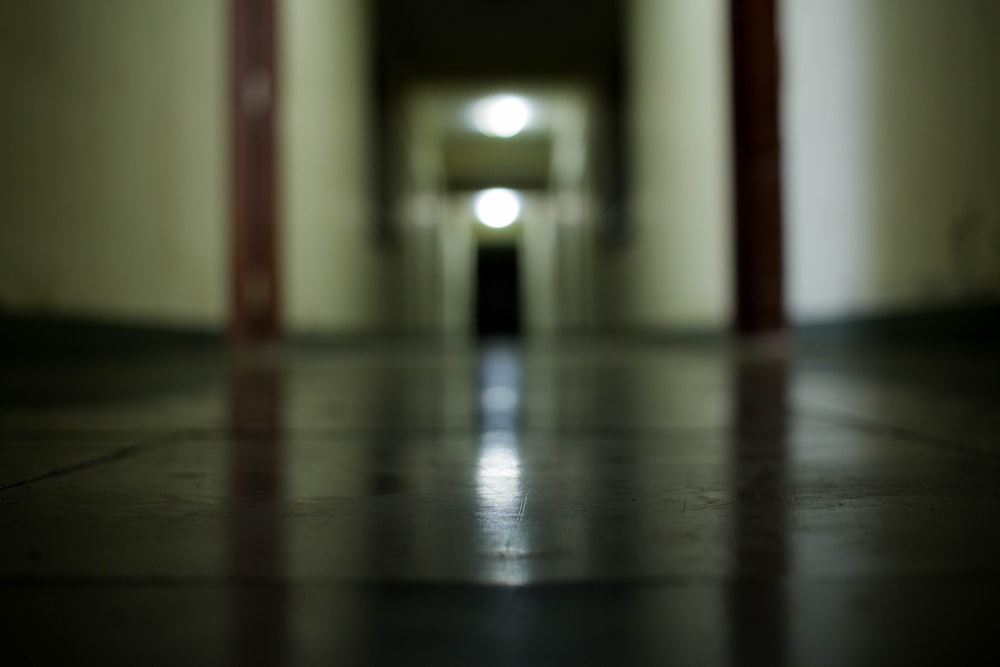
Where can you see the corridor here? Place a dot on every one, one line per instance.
(500, 333)
(594, 502)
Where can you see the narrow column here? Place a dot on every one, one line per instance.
(759, 253)
(254, 312)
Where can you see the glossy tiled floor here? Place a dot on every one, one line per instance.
(575, 504)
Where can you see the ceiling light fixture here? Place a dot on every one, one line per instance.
(497, 207)
(501, 115)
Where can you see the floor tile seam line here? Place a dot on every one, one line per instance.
(223, 581)
(95, 461)
(637, 582)
(851, 420)
(46, 435)
(82, 436)
(723, 430)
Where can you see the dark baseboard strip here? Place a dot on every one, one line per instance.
(972, 326)
(30, 337)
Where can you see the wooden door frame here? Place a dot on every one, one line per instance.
(255, 302)
(757, 176)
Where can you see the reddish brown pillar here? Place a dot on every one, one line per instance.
(759, 252)
(254, 311)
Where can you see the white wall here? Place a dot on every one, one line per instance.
(422, 220)
(458, 258)
(113, 173)
(336, 278)
(674, 273)
(538, 265)
(113, 183)
(892, 154)
(572, 183)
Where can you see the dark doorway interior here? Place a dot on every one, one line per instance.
(498, 289)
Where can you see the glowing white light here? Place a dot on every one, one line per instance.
(502, 116)
(499, 473)
(497, 207)
(502, 499)
(499, 399)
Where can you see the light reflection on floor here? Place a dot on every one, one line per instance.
(501, 498)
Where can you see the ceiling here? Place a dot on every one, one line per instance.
(463, 50)
(526, 161)
(516, 37)
(474, 162)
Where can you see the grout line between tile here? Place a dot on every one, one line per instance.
(109, 457)
(857, 422)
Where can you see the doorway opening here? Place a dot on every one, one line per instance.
(498, 291)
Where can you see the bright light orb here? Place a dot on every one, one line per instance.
(502, 115)
(497, 207)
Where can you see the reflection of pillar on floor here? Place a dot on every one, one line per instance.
(617, 399)
(758, 602)
(257, 532)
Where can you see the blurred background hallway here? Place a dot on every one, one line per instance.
(548, 332)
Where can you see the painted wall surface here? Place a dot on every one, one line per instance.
(335, 275)
(113, 167)
(458, 259)
(571, 194)
(674, 272)
(424, 250)
(892, 154)
(539, 265)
